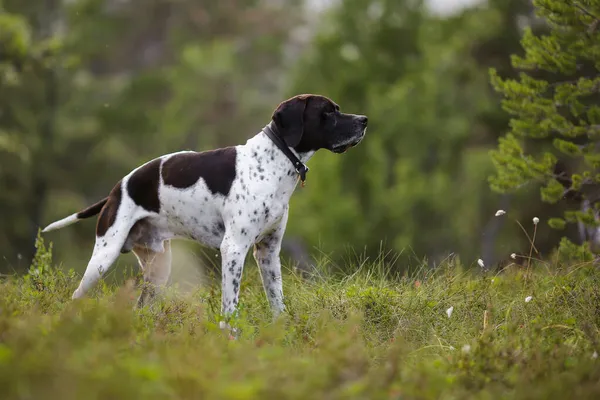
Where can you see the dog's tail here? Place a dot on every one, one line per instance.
(71, 219)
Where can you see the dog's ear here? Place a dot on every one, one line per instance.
(289, 118)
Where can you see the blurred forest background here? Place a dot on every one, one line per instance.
(90, 89)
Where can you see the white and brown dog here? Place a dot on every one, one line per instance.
(230, 199)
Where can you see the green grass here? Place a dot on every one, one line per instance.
(362, 336)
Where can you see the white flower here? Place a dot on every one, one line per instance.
(536, 220)
(466, 348)
(513, 256)
(528, 299)
(452, 348)
(500, 213)
(492, 280)
(595, 355)
(480, 262)
(449, 311)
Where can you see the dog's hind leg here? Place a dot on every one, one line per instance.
(106, 251)
(156, 266)
(114, 223)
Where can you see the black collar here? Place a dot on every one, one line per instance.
(272, 132)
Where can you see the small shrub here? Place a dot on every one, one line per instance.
(361, 337)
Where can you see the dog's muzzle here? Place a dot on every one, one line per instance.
(342, 148)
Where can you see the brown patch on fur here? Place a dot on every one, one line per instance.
(216, 167)
(142, 186)
(108, 215)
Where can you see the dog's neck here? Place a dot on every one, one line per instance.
(262, 150)
(262, 141)
(303, 157)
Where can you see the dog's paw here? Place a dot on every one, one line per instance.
(77, 294)
(232, 333)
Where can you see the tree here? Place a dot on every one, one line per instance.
(554, 132)
(31, 65)
(418, 181)
(90, 89)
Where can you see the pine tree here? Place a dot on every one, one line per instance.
(554, 137)
(31, 58)
(417, 184)
(90, 89)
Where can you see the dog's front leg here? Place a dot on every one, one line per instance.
(266, 254)
(233, 254)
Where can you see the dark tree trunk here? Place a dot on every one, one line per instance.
(42, 157)
(297, 251)
(490, 234)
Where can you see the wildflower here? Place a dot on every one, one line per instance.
(536, 220)
(528, 299)
(500, 213)
(466, 348)
(452, 348)
(595, 355)
(480, 262)
(449, 311)
(513, 256)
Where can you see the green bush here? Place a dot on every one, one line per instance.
(364, 336)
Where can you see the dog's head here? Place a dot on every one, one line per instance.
(311, 122)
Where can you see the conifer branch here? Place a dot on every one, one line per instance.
(574, 81)
(594, 25)
(584, 10)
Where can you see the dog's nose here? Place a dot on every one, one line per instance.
(363, 119)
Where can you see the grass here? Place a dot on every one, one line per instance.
(362, 336)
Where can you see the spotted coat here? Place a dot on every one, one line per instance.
(230, 199)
